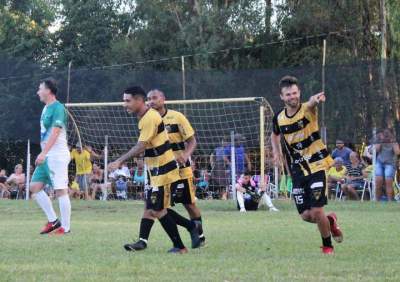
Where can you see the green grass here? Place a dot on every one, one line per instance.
(256, 246)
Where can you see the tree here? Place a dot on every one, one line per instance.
(24, 28)
(88, 27)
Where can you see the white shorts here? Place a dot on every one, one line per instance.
(53, 171)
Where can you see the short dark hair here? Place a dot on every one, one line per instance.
(51, 84)
(247, 173)
(135, 90)
(288, 81)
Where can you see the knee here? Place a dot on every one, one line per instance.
(306, 216)
(34, 188)
(152, 214)
(61, 192)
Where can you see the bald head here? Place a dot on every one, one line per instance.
(156, 99)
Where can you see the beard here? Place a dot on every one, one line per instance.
(293, 103)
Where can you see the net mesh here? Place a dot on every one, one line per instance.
(214, 122)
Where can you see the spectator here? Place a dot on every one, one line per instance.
(249, 196)
(122, 170)
(201, 181)
(16, 182)
(354, 177)
(4, 193)
(96, 179)
(387, 149)
(138, 179)
(120, 179)
(342, 151)
(336, 174)
(241, 158)
(138, 174)
(83, 163)
(73, 188)
(219, 172)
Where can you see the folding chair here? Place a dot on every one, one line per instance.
(367, 185)
(338, 191)
(396, 187)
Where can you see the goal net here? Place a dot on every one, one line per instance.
(232, 136)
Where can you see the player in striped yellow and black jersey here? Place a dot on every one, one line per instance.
(295, 128)
(161, 165)
(183, 143)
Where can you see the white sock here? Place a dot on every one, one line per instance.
(45, 203)
(240, 199)
(267, 200)
(65, 210)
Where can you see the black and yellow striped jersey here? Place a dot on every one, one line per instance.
(302, 145)
(179, 130)
(159, 158)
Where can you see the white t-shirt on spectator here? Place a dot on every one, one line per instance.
(124, 171)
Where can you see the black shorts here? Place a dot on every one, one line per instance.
(310, 191)
(183, 192)
(249, 205)
(158, 198)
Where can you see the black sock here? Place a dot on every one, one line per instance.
(145, 227)
(199, 224)
(327, 242)
(170, 227)
(180, 220)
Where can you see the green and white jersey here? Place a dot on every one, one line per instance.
(54, 115)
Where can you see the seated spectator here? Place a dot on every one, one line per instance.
(249, 196)
(120, 179)
(73, 188)
(387, 151)
(96, 179)
(122, 170)
(342, 151)
(354, 177)
(4, 193)
(367, 162)
(138, 174)
(16, 182)
(138, 180)
(336, 174)
(201, 181)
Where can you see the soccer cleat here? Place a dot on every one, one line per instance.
(273, 209)
(51, 226)
(327, 250)
(59, 232)
(138, 246)
(178, 251)
(202, 241)
(242, 210)
(194, 235)
(337, 234)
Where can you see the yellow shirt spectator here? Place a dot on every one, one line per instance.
(74, 185)
(337, 174)
(82, 161)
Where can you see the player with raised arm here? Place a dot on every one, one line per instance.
(161, 164)
(52, 162)
(296, 125)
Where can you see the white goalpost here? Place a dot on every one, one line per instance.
(229, 133)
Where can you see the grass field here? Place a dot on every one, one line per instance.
(256, 246)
